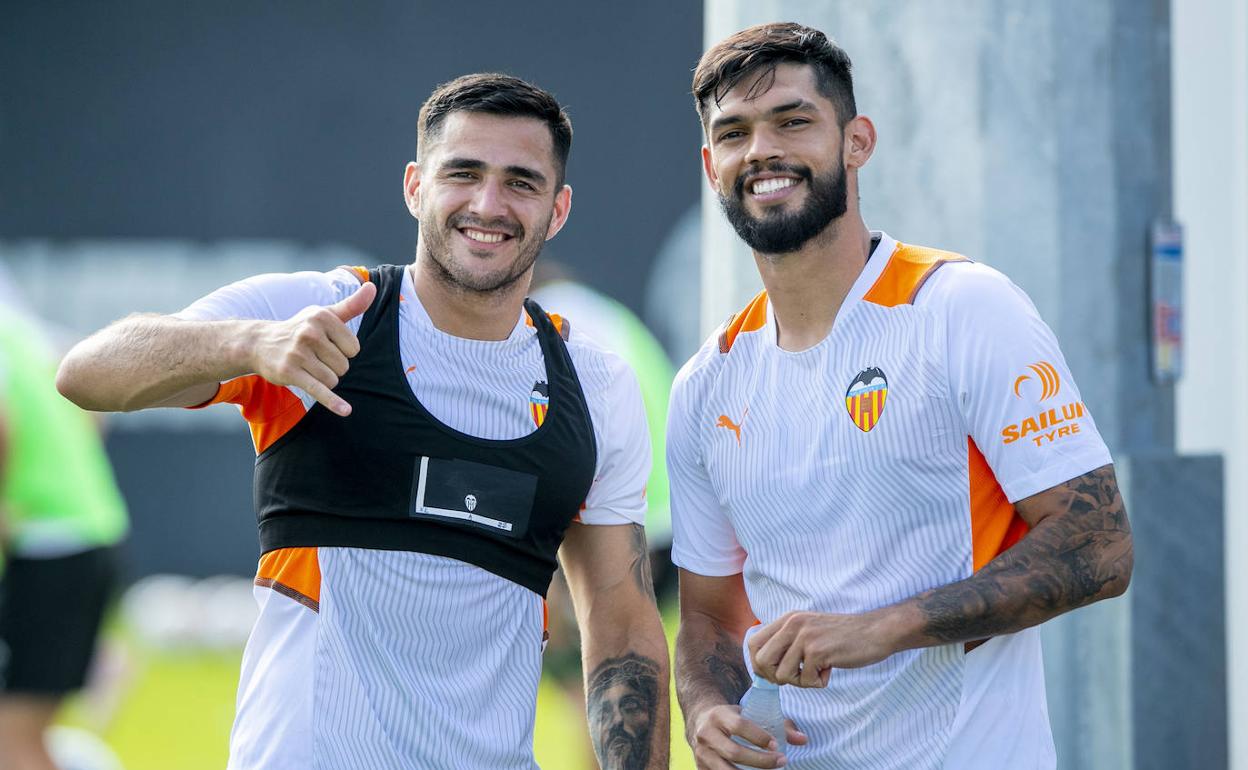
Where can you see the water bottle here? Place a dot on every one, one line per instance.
(761, 705)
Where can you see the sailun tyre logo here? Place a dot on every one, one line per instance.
(1050, 381)
(864, 400)
(1051, 423)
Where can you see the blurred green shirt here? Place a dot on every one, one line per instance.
(57, 492)
(616, 328)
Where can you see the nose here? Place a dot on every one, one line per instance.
(763, 147)
(487, 200)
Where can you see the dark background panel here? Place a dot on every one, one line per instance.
(189, 494)
(294, 119)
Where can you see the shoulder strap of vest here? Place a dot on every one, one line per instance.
(389, 280)
(557, 322)
(907, 270)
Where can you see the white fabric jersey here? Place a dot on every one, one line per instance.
(873, 466)
(412, 660)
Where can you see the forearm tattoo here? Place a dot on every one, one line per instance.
(726, 666)
(1077, 555)
(623, 702)
(710, 669)
(641, 561)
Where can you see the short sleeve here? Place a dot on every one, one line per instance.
(703, 539)
(270, 297)
(274, 296)
(618, 493)
(1007, 374)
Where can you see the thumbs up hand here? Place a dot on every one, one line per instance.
(311, 350)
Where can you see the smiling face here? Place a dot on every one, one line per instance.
(487, 196)
(776, 160)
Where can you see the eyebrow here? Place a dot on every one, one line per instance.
(732, 120)
(524, 172)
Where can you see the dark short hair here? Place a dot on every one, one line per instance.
(757, 51)
(496, 94)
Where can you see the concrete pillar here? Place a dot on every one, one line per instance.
(1034, 137)
(1210, 118)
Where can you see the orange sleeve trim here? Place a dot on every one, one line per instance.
(293, 572)
(751, 319)
(907, 270)
(270, 410)
(360, 272)
(995, 525)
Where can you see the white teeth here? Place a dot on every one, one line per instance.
(771, 185)
(483, 237)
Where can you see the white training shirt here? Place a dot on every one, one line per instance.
(873, 466)
(413, 660)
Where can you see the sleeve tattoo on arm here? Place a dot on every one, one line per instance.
(623, 696)
(726, 665)
(641, 561)
(1074, 557)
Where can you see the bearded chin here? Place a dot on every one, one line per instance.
(781, 232)
(455, 275)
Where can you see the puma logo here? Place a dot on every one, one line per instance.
(735, 427)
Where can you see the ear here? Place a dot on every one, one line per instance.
(859, 142)
(708, 165)
(563, 207)
(411, 189)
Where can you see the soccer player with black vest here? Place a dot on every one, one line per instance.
(428, 442)
(883, 459)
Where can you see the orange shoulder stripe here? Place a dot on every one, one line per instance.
(751, 319)
(293, 572)
(360, 272)
(562, 325)
(907, 270)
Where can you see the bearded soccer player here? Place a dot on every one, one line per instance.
(412, 494)
(883, 459)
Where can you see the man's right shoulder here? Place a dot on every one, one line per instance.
(722, 348)
(275, 296)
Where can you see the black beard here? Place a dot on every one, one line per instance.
(634, 751)
(439, 249)
(777, 232)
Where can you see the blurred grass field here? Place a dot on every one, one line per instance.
(175, 708)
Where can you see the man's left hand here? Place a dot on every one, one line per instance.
(802, 648)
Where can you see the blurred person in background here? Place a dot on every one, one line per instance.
(428, 443)
(61, 518)
(619, 330)
(883, 459)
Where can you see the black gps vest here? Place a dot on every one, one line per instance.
(391, 476)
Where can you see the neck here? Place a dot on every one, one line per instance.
(462, 312)
(807, 287)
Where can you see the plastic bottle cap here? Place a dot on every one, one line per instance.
(763, 684)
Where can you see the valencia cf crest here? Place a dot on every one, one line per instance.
(539, 402)
(865, 398)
